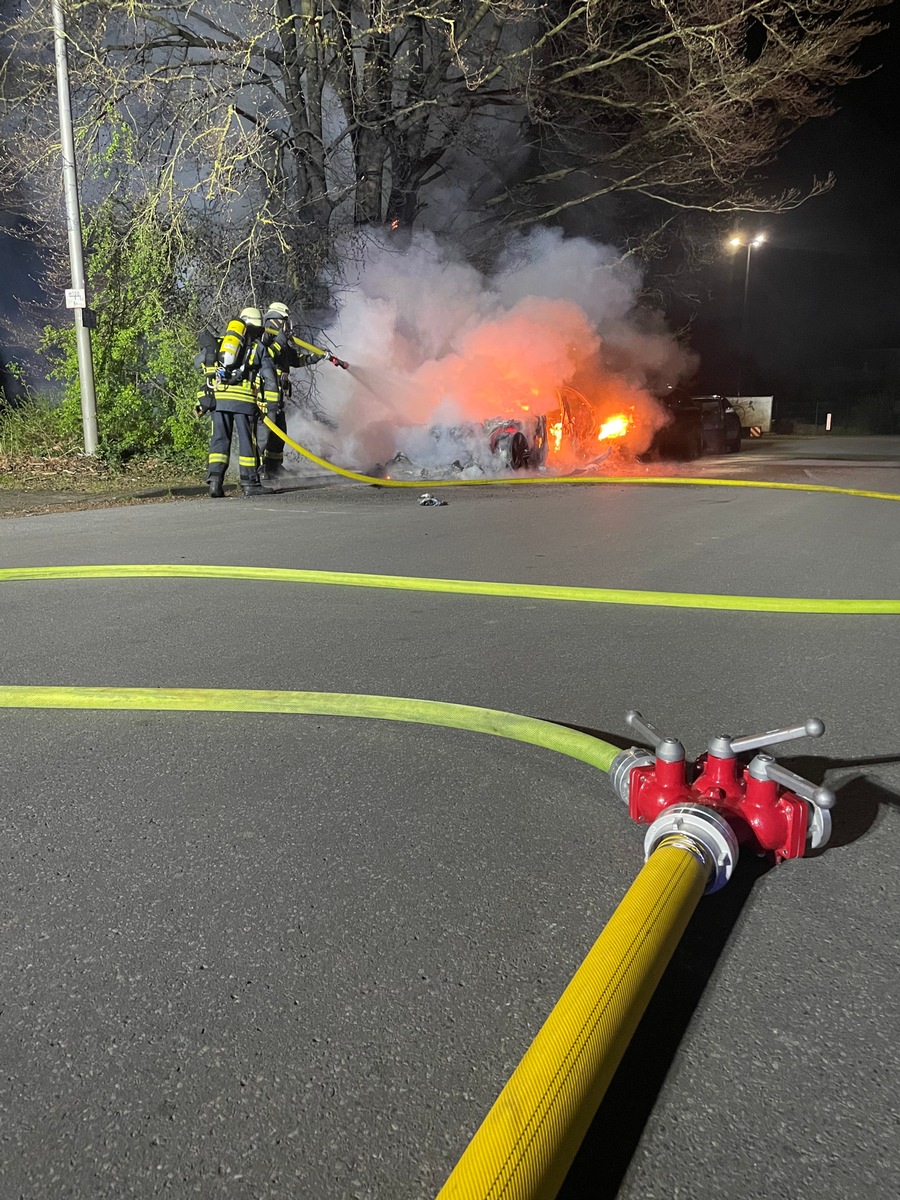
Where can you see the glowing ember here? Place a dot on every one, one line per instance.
(615, 427)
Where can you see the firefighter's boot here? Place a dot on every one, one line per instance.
(216, 490)
(255, 489)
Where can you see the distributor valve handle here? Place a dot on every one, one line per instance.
(765, 767)
(666, 748)
(813, 727)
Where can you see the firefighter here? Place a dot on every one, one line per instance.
(245, 381)
(281, 347)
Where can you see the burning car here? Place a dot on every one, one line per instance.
(573, 432)
(470, 448)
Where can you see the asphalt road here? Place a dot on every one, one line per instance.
(265, 956)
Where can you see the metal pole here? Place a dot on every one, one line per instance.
(743, 350)
(73, 224)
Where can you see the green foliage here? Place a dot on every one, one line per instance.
(143, 347)
(33, 428)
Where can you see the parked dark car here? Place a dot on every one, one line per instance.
(699, 425)
(721, 425)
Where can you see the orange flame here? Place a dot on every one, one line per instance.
(556, 434)
(615, 427)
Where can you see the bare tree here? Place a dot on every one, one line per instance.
(278, 127)
(681, 104)
(275, 128)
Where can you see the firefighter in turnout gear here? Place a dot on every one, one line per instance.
(280, 345)
(245, 382)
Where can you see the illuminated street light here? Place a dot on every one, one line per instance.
(738, 241)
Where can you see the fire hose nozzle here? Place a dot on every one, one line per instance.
(338, 362)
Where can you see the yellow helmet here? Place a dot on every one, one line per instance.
(251, 316)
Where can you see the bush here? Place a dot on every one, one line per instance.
(34, 428)
(143, 346)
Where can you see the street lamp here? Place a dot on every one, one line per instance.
(736, 242)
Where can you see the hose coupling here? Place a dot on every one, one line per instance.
(622, 766)
(703, 831)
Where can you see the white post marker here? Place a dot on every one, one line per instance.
(827, 421)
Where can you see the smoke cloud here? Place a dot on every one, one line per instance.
(438, 348)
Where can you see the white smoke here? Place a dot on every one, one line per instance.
(438, 347)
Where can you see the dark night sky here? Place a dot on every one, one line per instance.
(826, 283)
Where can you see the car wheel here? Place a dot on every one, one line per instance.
(518, 451)
(512, 448)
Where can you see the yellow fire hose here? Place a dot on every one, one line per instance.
(311, 349)
(461, 587)
(515, 726)
(676, 480)
(528, 1139)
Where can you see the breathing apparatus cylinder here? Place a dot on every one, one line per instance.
(235, 345)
